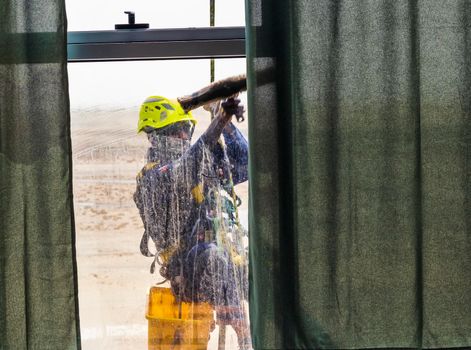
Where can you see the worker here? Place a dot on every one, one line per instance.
(185, 196)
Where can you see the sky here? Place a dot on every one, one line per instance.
(127, 84)
(104, 14)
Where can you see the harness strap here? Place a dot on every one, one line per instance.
(144, 245)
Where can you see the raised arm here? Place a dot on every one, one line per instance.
(237, 152)
(223, 115)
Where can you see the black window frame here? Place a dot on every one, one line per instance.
(155, 44)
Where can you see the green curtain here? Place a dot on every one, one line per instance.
(38, 285)
(360, 173)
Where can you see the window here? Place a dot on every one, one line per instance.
(107, 154)
(105, 98)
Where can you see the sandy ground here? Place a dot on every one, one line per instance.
(113, 276)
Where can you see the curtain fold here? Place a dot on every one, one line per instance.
(360, 168)
(38, 284)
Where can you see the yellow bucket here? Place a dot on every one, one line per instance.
(177, 326)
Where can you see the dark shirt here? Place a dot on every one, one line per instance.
(174, 194)
(187, 205)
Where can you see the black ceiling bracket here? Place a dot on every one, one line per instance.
(131, 23)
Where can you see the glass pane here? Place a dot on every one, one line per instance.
(114, 278)
(103, 15)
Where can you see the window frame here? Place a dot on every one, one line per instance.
(155, 44)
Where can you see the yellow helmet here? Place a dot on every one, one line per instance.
(158, 112)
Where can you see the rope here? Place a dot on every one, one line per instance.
(212, 16)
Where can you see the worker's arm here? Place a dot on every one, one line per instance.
(193, 161)
(238, 153)
(237, 147)
(223, 115)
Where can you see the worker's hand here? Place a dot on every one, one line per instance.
(223, 113)
(232, 106)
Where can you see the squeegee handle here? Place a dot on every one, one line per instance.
(216, 91)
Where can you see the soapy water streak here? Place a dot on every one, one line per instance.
(189, 210)
(103, 169)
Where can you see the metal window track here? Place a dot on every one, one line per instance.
(155, 44)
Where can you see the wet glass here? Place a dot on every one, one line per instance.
(114, 278)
